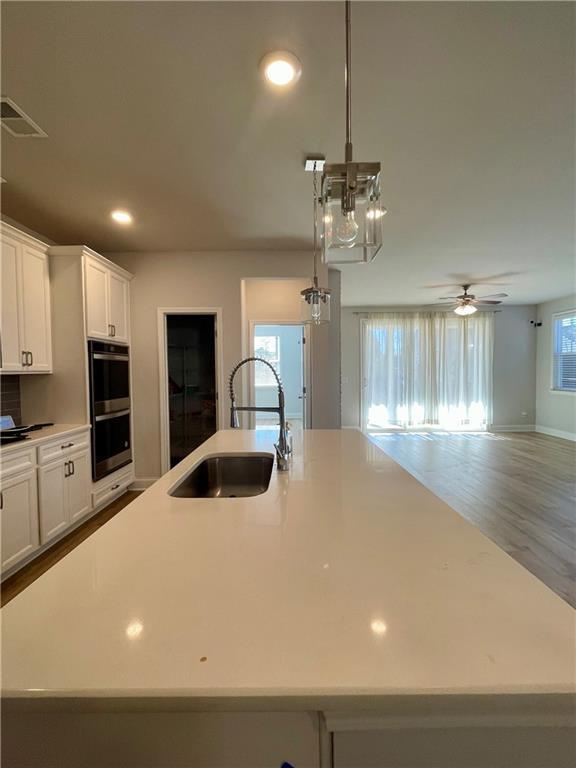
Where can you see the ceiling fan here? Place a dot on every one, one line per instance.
(468, 303)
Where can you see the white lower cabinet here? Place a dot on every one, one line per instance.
(64, 493)
(53, 507)
(79, 485)
(19, 515)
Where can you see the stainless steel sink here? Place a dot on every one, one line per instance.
(227, 476)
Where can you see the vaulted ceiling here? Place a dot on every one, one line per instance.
(158, 107)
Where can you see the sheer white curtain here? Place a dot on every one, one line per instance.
(427, 368)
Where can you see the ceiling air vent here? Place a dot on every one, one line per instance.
(17, 122)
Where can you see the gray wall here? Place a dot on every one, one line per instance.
(514, 365)
(555, 411)
(207, 279)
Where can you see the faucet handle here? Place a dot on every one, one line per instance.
(281, 458)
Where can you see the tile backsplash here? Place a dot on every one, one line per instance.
(10, 398)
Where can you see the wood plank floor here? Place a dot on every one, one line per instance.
(29, 573)
(517, 488)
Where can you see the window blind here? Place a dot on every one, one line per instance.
(564, 355)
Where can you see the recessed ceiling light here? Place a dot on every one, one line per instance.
(121, 217)
(281, 68)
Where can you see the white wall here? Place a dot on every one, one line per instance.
(555, 411)
(514, 365)
(204, 279)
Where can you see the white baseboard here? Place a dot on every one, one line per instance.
(556, 433)
(344, 426)
(511, 428)
(141, 483)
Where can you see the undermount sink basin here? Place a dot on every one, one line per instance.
(227, 476)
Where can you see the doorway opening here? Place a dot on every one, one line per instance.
(283, 345)
(188, 382)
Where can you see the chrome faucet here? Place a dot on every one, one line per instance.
(282, 444)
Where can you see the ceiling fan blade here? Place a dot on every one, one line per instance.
(448, 298)
(494, 296)
(481, 302)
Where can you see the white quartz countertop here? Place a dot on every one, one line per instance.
(346, 581)
(45, 434)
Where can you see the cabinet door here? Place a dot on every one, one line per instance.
(10, 310)
(97, 300)
(19, 514)
(119, 307)
(78, 485)
(36, 330)
(53, 499)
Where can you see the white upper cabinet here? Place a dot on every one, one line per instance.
(96, 277)
(107, 301)
(118, 296)
(25, 312)
(12, 348)
(36, 309)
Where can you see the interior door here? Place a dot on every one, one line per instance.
(191, 385)
(282, 345)
(36, 309)
(10, 312)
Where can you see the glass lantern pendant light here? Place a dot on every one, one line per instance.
(315, 304)
(351, 221)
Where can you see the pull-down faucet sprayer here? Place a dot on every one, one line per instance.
(282, 444)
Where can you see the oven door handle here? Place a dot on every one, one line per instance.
(105, 356)
(106, 416)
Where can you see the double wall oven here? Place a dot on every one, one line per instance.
(109, 407)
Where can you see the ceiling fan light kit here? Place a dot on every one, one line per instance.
(467, 303)
(465, 309)
(352, 214)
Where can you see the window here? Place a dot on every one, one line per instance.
(564, 352)
(268, 348)
(427, 369)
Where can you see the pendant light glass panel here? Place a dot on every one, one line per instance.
(315, 306)
(354, 236)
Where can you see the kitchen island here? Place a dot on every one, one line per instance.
(347, 598)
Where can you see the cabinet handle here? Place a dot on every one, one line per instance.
(113, 488)
(31, 358)
(24, 358)
(66, 473)
(113, 330)
(73, 472)
(1, 500)
(68, 445)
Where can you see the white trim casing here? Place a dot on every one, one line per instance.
(556, 433)
(511, 428)
(554, 317)
(162, 312)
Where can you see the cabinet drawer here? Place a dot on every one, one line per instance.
(64, 446)
(113, 486)
(19, 461)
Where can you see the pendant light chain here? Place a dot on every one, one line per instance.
(315, 209)
(348, 85)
